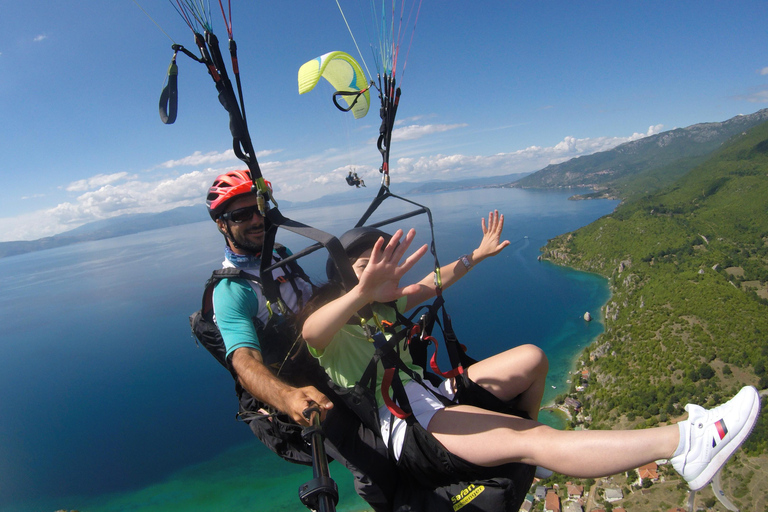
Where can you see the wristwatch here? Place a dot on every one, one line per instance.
(465, 260)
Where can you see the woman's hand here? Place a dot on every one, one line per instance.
(490, 244)
(381, 270)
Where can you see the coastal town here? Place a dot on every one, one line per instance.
(651, 487)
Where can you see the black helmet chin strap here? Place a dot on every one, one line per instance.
(230, 239)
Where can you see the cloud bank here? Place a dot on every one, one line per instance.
(103, 196)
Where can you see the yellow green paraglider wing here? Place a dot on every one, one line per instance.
(344, 74)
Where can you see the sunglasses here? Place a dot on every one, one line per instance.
(241, 214)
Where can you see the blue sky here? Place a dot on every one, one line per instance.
(489, 88)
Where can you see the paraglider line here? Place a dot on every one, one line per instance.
(153, 21)
(353, 38)
(190, 11)
(227, 23)
(183, 14)
(410, 43)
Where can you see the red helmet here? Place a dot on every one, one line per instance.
(225, 188)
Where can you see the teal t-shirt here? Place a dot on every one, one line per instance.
(348, 354)
(236, 304)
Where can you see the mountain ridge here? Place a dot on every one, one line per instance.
(642, 166)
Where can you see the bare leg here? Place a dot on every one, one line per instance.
(488, 439)
(519, 373)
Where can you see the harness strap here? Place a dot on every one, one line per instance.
(385, 193)
(216, 276)
(336, 251)
(386, 383)
(389, 95)
(433, 362)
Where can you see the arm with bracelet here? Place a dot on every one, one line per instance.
(490, 245)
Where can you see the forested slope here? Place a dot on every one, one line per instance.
(688, 316)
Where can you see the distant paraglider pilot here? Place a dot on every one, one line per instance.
(354, 179)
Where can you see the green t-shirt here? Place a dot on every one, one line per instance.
(350, 351)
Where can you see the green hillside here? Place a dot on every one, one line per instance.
(688, 316)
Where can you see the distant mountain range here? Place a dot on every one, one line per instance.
(631, 169)
(108, 228)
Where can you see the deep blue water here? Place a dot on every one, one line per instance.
(105, 394)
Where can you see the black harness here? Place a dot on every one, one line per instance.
(284, 354)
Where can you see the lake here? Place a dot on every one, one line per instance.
(108, 404)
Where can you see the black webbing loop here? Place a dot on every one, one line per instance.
(356, 94)
(169, 98)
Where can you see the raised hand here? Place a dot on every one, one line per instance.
(490, 245)
(380, 271)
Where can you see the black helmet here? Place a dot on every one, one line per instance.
(355, 242)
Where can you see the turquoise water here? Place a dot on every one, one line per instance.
(108, 404)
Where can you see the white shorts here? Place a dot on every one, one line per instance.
(423, 404)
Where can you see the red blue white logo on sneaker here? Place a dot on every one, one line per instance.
(722, 431)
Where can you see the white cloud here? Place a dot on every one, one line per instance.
(110, 200)
(763, 71)
(39, 38)
(198, 158)
(211, 158)
(533, 158)
(413, 132)
(413, 119)
(755, 97)
(96, 181)
(109, 195)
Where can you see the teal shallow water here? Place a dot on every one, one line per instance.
(110, 406)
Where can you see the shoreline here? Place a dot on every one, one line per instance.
(562, 412)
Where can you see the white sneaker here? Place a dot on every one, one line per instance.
(709, 438)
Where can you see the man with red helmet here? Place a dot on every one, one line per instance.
(251, 340)
(233, 206)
